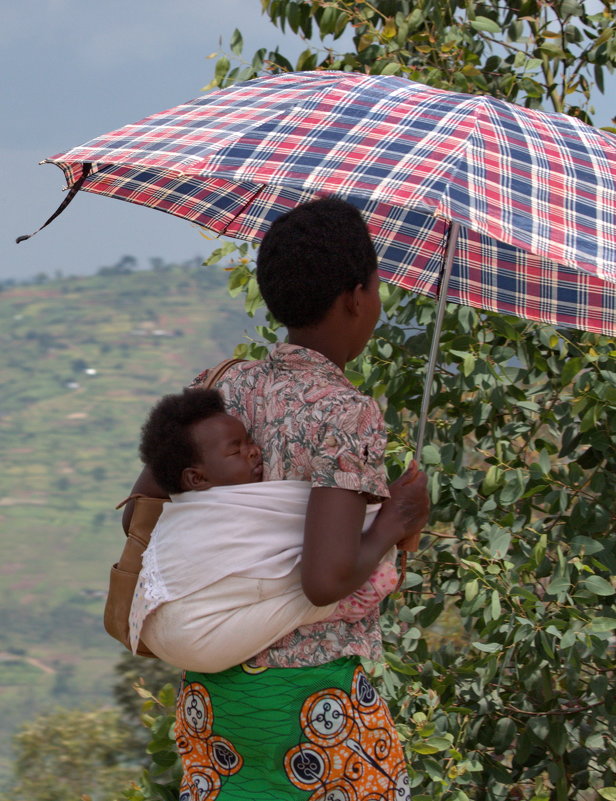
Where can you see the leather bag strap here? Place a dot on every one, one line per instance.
(216, 373)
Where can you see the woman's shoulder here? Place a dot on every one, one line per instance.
(352, 410)
(235, 368)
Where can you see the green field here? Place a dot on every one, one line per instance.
(81, 362)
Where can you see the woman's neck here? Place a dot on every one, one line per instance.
(321, 339)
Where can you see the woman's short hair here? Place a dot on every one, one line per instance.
(167, 446)
(309, 256)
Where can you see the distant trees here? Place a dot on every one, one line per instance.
(124, 266)
(69, 755)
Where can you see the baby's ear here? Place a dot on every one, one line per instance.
(194, 479)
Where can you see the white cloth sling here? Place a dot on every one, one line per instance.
(221, 577)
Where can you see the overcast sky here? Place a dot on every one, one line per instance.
(74, 69)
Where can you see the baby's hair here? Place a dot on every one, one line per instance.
(310, 256)
(167, 446)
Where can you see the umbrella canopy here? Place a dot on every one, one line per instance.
(534, 194)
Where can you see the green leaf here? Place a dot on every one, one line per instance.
(590, 417)
(222, 68)
(328, 21)
(430, 455)
(544, 462)
(167, 695)
(504, 732)
(427, 730)
(546, 644)
(603, 624)
(552, 50)
(487, 647)
(598, 585)
(412, 580)
(354, 377)
(609, 793)
(421, 747)
(475, 566)
(392, 68)
(237, 42)
(560, 583)
(433, 610)
(495, 605)
(515, 484)
(468, 364)
(441, 743)
(458, 795)
(570, 370)
(540, 727)
(306, 60)
(499, 541)
(471, 589)
(399, 666)
(558, 738)
(164, 759)
(492, 480)
(587, 545)
(485, 24)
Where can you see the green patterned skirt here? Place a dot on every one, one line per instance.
(319, 733)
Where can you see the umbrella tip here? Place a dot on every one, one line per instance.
(22, 238)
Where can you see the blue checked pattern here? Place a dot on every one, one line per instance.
(535, 193)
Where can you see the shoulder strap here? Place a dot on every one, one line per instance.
(216, 373)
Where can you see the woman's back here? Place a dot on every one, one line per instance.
(312, 425)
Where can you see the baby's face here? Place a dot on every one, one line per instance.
(227, 455)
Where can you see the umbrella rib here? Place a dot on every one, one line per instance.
(239, 213)
(452, 240)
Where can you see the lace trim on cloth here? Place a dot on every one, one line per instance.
(150, 593)
(154, 588)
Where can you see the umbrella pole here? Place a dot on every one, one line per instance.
(452, 241)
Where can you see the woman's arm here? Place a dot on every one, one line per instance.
(337, 557)
(145, 485)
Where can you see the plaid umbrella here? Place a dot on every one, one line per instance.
(526, 200)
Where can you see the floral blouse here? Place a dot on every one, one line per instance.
(312, 425)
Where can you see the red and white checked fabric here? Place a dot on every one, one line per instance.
(535, 193)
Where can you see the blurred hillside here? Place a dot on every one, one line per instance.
(81, 362)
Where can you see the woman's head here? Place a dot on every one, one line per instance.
(310, 256)
(191, 443)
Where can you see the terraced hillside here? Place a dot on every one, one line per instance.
(81, 362)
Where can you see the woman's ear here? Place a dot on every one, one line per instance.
(193, 479)
(353, 300)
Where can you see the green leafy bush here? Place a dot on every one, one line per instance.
(500, 648)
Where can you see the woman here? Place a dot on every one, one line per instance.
(301, 720)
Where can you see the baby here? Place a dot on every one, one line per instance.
(221, 577)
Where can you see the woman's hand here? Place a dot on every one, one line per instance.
(410, 503)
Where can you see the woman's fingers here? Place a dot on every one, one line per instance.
(409, 494)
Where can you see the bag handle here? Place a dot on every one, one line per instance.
(216, 373)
